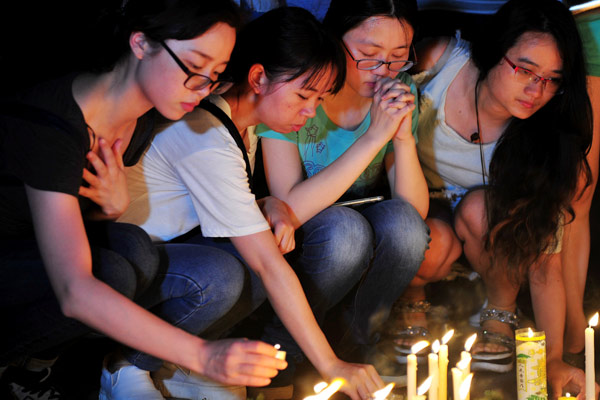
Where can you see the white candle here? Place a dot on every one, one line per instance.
(531, 364)
(280, 353)
(411, 369)
(434, 371)
(443, 366)
(465, 387)
(464, 366)
(590, 373)
(457, 378)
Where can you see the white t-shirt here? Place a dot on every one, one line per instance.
(194, 174)
(450, 162)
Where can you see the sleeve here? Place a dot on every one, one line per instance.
(264, 131)
(218, 186)
(43, 157)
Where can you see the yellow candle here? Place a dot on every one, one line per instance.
(434, 371)
(411, 369)
(465, 387)
(464, 367)
(457, 377)
(590, 373)
(443, 366)
(567, 397)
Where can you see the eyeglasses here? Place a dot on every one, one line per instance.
(198, 81)
(368, 64)
(525, 77)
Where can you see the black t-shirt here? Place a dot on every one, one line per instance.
(46, 157)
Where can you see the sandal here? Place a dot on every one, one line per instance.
(502, 361)
(402, 339)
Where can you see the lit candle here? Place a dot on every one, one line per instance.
(443, 366)
(465, 387)
(425, 386)
(327, 392)
(531, 364)
(411, 369)
(566, 397)
(464, 367)
(280, 353)
(465, 356)
(590, 374)
(457, 378)
(382, 394)
(434, 371)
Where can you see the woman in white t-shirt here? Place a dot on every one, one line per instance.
(195, 174)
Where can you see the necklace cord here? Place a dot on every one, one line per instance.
(479, 133)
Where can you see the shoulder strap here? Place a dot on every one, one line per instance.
(233, 131)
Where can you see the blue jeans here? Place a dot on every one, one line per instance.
(122, 256)
(360, 260)
(195, 288)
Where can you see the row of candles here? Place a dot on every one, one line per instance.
(531, 370)
(436, 385)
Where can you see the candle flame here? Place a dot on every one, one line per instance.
(568, 395)
(435, 347)
(447, 336)
(417, 347)
(594, 320)
(529, 333)
(464, 363)
(383, 393)
(465, 387)
(319, 387)
(424, 386)
(328, 391)
(277, 346)
(470, 341)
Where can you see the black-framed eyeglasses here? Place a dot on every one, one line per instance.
(525, 77)
(198, 81)
(369, 64)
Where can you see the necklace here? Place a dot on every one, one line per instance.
(478, 136)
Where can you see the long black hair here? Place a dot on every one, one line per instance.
(159, 20)
(538, 161)
(288, 42)
(345, 15)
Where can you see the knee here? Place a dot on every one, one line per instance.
(399, 228)
(114, 270)
(444, 249)
(339, 235)
(470, 221)
(134, 244)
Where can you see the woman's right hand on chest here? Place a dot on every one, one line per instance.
(392, 103)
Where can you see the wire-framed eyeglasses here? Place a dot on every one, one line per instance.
(525, 77)
(198, 81)
(368, 64)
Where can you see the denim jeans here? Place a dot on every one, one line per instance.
(359, 260)
(32, 322)
(195, 287)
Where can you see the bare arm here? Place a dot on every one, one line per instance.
(66, 254)
(261, 253)
(283, 166)
(404, 170)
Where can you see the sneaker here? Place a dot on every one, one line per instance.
(127, 382)
(174, 381)
(22, 384)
